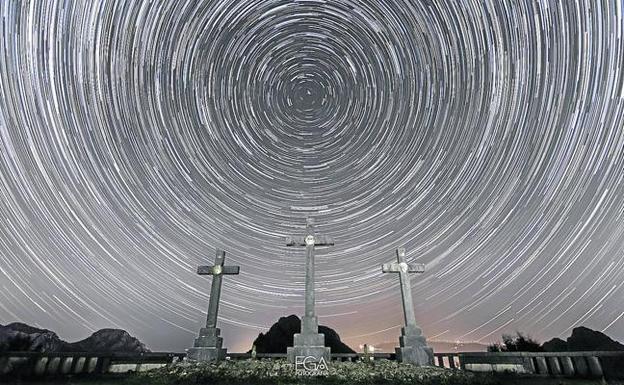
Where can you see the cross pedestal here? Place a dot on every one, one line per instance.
(208, 347)
(413, 347)
(309, 343)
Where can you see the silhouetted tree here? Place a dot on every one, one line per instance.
(494, 348)
(517, 343)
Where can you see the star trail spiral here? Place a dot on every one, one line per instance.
(486, 137)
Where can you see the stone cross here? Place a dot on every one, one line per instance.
(209, 345)
(413, 345)
(309, 343)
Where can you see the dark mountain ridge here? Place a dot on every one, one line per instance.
(281, 334)
(22, 337)
(583, 339)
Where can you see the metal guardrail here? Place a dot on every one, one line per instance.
(609, 364)
(66, 363)
(569, 364)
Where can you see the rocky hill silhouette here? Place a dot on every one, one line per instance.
(583, 339)
(280, 336)
(21, 337)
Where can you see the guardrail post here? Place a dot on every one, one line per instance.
(40, 366)
(580, 364)
(540, 364)
(568, 368)
(53, 365)
(103, 365)
(528, 364)
(91, 364)
(594, 366)
(555, 367)
(79, 364)
(66, 364)
(4, 364)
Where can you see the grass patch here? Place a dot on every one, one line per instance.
(260, 372)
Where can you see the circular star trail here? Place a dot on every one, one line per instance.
(486, 137)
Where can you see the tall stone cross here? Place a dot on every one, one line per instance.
(209, 345)
(309, 343)
(412, 343)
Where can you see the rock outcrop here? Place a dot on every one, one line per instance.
(280, 336)
(108, 340)
(583, 339)
(22, 337)
(555, 345)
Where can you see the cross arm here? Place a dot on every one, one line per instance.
(395, 267)
(319, 240)
(323, 240)
(295, 241)
(216, 270)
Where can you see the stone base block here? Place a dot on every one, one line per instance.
(213, 332)
(209, 338)
(208, 342)
(206, 354)
(303, 352)
(309, 339)
(309, 325)
(411, 330)
(412, 340)
(415, 355)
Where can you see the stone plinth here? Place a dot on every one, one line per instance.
(308, 343)
(413, 348)
(317, 352)
(208, 347)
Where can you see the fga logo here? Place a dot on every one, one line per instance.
(310, 366)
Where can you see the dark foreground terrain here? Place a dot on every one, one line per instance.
(263, 372)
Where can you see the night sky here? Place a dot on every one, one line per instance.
(486, 137)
